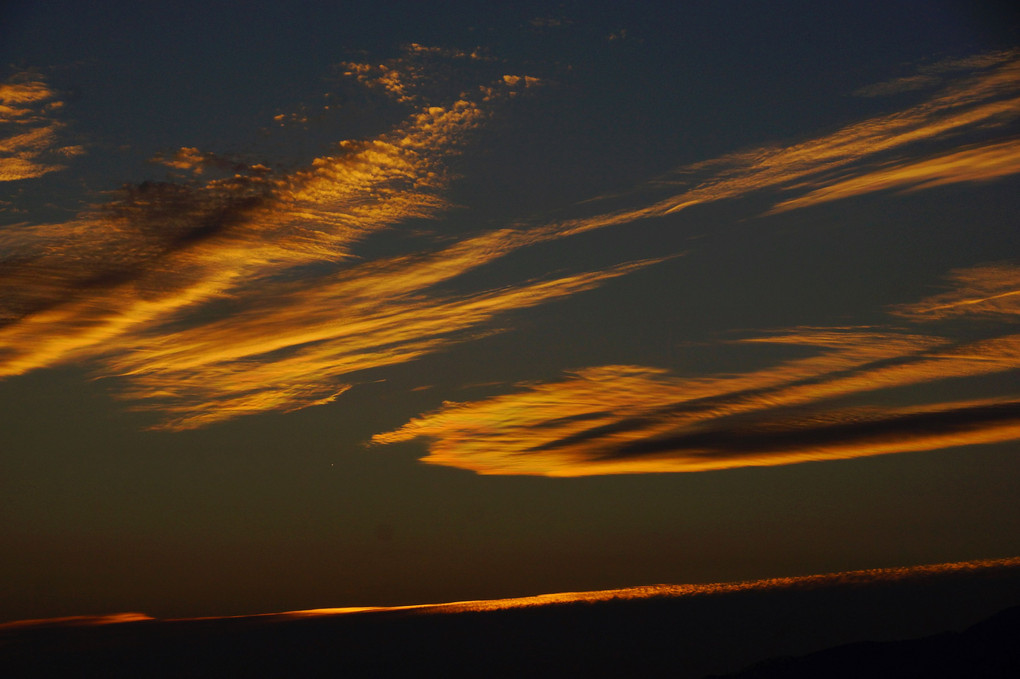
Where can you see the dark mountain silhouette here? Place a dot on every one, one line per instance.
(988, 650)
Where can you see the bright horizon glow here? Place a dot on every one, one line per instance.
(847, 578)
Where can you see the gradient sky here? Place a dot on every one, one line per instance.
(310, 305)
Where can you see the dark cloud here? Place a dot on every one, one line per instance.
(944, 424)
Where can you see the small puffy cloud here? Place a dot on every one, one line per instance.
(406, 76)
(525, 80)
(29, 141)
(191, 159)
(548, 22)
(420, 73)
(22, 89)
(185, 158)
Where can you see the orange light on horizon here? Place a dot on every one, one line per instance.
(77, 621)
(803, 582)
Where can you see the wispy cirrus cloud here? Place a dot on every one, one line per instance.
(242, 294)
(160, 249)
(268, 256)
(979, 99)
(638, 419)
(977, 164)
(986, 99)
(297, 344)
(992, 290)
(935, 74)
(29, 140)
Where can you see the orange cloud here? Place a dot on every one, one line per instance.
(28, 130)
(905, 84)
(161, 249)
(992, 291)
(803, 582)
(405, 77)
(637, 419)
(633, 419)
(136, 277)
(130, 283)
(191, 159)
(983, 163)
(840, 165)
(933, 74)
(293, 348)
(986, 100)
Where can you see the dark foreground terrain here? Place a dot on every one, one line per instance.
(936, 625)
(988, 649)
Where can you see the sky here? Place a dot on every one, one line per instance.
(316, 305)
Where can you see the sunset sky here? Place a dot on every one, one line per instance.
(314, 305)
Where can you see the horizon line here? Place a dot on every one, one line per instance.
(637, 592)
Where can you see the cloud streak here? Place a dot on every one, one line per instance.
(161, 249)
(990, 291)
(638, 419)
(293, 348)
(983, 163)
(242, 294)
(980, 97)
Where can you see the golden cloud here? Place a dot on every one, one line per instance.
(163, 248)
(26, 101)
(130, 283)
(992, 291)
(983, 163)
(637, 419)
(404, 77)
(293, 348)
(855, 159)
(191, 159)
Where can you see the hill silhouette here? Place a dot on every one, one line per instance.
(987, 650)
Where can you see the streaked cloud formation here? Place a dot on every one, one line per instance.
(242, 294)
(982, 163)
(29, 144)
(638, 419)
(290, 349)
(130, 284)
(991, 291)
(975, 111)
